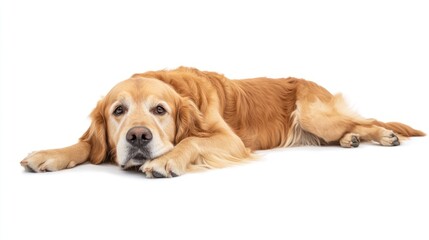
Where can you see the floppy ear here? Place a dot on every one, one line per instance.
(189, 121)
(96, 135)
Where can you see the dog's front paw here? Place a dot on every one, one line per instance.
(162, 168)
(45, 161)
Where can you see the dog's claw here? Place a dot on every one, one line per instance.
(355, 141)
(396, 143)
(156, 174)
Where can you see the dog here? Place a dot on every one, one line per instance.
(169, 122)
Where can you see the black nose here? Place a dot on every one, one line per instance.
(139, 136)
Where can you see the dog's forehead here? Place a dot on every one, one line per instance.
(140, 88)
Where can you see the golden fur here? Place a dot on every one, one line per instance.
(190, 120)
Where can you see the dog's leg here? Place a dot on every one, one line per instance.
(196, 153)
(57, 159)
(333, 122)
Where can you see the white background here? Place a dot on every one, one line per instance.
(59, 57)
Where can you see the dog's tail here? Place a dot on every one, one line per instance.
(400, 128)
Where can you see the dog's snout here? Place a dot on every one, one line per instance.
(139, 136)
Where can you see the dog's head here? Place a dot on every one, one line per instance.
(138, 120)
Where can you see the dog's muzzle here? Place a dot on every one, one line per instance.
(138, 139)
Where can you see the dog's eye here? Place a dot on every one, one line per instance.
(159, 110)
(119, 110)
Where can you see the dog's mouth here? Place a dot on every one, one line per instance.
(136, 157)
(139, 157)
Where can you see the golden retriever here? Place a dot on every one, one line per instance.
(169, 122)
